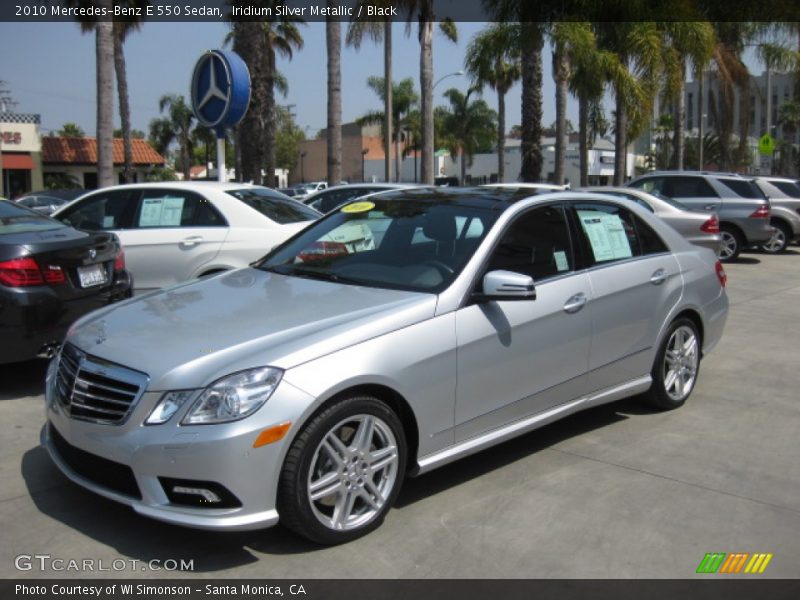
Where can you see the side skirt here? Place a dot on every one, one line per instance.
(512, 430)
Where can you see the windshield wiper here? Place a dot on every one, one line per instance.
(286, 269)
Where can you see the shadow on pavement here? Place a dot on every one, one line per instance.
(137, 537)
(18, 380)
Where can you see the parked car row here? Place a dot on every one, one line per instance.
(400, 332)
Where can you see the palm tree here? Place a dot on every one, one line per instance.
(574, 44)
(686, 43)
(470, 126)
(378, 30)
(403, 98)
(177, 126)
(333, 38)
(122, 26)
(789, 121)
(637, 48)
(590, 69)
(258, 43)
(422, 12)
(493, 59)
(104, 49)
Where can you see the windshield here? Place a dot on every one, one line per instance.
(275, 205)
(404, 244)
(17, 219)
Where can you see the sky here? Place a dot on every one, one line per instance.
(49, 70)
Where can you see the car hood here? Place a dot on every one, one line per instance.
(191, 334)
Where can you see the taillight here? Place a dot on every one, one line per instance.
(711, 226)
(54, 274)
(119, 260)
(721, 274)
(20, 272)
(761, 213)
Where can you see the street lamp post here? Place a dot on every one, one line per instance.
(453, 74)
(363, 156)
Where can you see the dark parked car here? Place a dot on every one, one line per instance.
(51, 274)
(47, 201)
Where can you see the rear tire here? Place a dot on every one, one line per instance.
(676, 366)
(779, 240)
(732, 242)
(343, 471)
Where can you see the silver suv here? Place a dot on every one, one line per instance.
(784, 199)
(743, 209)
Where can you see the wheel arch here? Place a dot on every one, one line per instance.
(393, 399)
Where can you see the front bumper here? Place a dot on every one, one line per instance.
(98, 456)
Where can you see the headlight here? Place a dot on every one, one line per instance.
(234, 397)
(168, 406)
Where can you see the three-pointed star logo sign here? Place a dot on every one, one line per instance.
(213, 90)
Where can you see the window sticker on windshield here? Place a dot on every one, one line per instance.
(561, 261)
(606, 234)
(161, 212)
(358, 207)
(108, 222)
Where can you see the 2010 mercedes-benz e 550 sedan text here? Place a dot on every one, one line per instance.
(306, 387)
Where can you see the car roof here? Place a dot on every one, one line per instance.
(186, 185)
(698, 173)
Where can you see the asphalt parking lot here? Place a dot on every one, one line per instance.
(618, 491)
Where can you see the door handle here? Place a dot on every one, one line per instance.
(191, 241)
(659, 277)
(575, 303)
(709, 207)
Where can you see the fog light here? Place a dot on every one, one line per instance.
(207, 494)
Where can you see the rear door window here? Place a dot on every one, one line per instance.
(743, 188)
(176, 208)
(688, 187)
(611, 233)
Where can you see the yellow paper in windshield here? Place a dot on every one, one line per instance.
(358, 207)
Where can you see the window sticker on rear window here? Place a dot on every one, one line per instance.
(561, 261)
(606, 235)
(161, 212)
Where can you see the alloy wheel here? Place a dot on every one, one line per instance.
(777, 242)
(353, 472)
(730, 246)
(681, 361)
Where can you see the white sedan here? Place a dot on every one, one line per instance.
(174, 231)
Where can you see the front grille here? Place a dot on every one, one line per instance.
(91, 389)
(103, 472)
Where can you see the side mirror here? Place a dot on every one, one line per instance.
(506, 285)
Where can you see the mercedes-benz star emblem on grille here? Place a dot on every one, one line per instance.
(92, 253)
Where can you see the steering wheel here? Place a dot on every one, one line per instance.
(440, 266)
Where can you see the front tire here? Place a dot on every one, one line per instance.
(676, 366)
(732, 243)
(343, 471)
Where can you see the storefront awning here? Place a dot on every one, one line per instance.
(18, 161)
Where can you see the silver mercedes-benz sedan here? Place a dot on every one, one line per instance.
(306, 387)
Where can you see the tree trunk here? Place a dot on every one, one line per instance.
(124, 105)
(678, 141)
(561, 75)
(583, 138)
(531, 143)
(387, 94)
(186, 158)
(333, 37)
(501, 134)
(104, 48)
(268, 139)
(620, 141)
(463, 158)
(426, 92)
(397, 152)
(248, 42)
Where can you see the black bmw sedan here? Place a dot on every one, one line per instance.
(51, 274)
